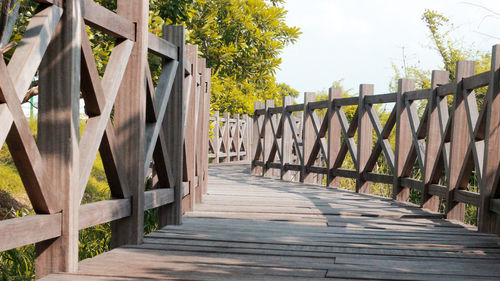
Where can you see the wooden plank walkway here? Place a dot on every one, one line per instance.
(253, 228)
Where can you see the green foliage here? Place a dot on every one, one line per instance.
(242, 42)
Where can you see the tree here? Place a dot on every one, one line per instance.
(242, 41)
(450, 51)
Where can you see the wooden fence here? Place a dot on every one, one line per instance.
(445, 145)
(229, 139)
(157, 129)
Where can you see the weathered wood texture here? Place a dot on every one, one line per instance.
(438, 148)
(254, 228)
(140, 126)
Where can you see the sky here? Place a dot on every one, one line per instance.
(358, 40)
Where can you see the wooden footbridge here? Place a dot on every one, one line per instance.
(269, 207)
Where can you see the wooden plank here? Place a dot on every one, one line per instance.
(495, 206)
(467, 197)
(162, 47)
(437, 118)
(333, 136)
(22, 231)
(158, 197)
(460, 139)
(308, 137)
(129, 123)
(423, 94)
(376, 99)
(174, 128)
(58, 134)
(412, 183)
(294, 107)
(318, 104)
(286, 140)
(268, 138)
(346, 101)
(446, 89)
(102, 212)
(477, 81)
(365, 138)
(403, 140)
(488, 221)
(107, 21)
(374, 177)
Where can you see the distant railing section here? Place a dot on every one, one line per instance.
(146, 131)
(229, 138)
(446, 145)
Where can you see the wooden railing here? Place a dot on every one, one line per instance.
(446, 145)
(140, 130)
(229, 139)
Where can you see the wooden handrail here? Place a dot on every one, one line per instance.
(297, 143)
(151, 135)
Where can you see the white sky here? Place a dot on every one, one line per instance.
(357, 40)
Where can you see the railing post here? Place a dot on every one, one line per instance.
(334, 133)
(129, 123)
(174, 128)
(268, 139)
(460, 140)
(217, 137)
(286, 140)
(191, 52)
(207, 74)
(201, 135)
(489, 221)
(308, 138)
(403, 139)
(365, 138)
(236, 135)
(59, 96)
(246, 137)
(256, 152)
(226, 137)
(435, 131)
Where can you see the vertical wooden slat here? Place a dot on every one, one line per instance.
(460, 140)
(58, 127)
(268, 138)
(216, 136)
(201, 136)
(334, 133)
(489, 221)
(208, 74)
(246, 136)
(286, 140)
(173, 127)
(403, 139)
(365, 138)
(236, 136)
(308, 138)
(434, 138)
(191, 52)
(129, 123)
(256, 140)
(226, 137)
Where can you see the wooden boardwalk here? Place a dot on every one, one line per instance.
(253, 228)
